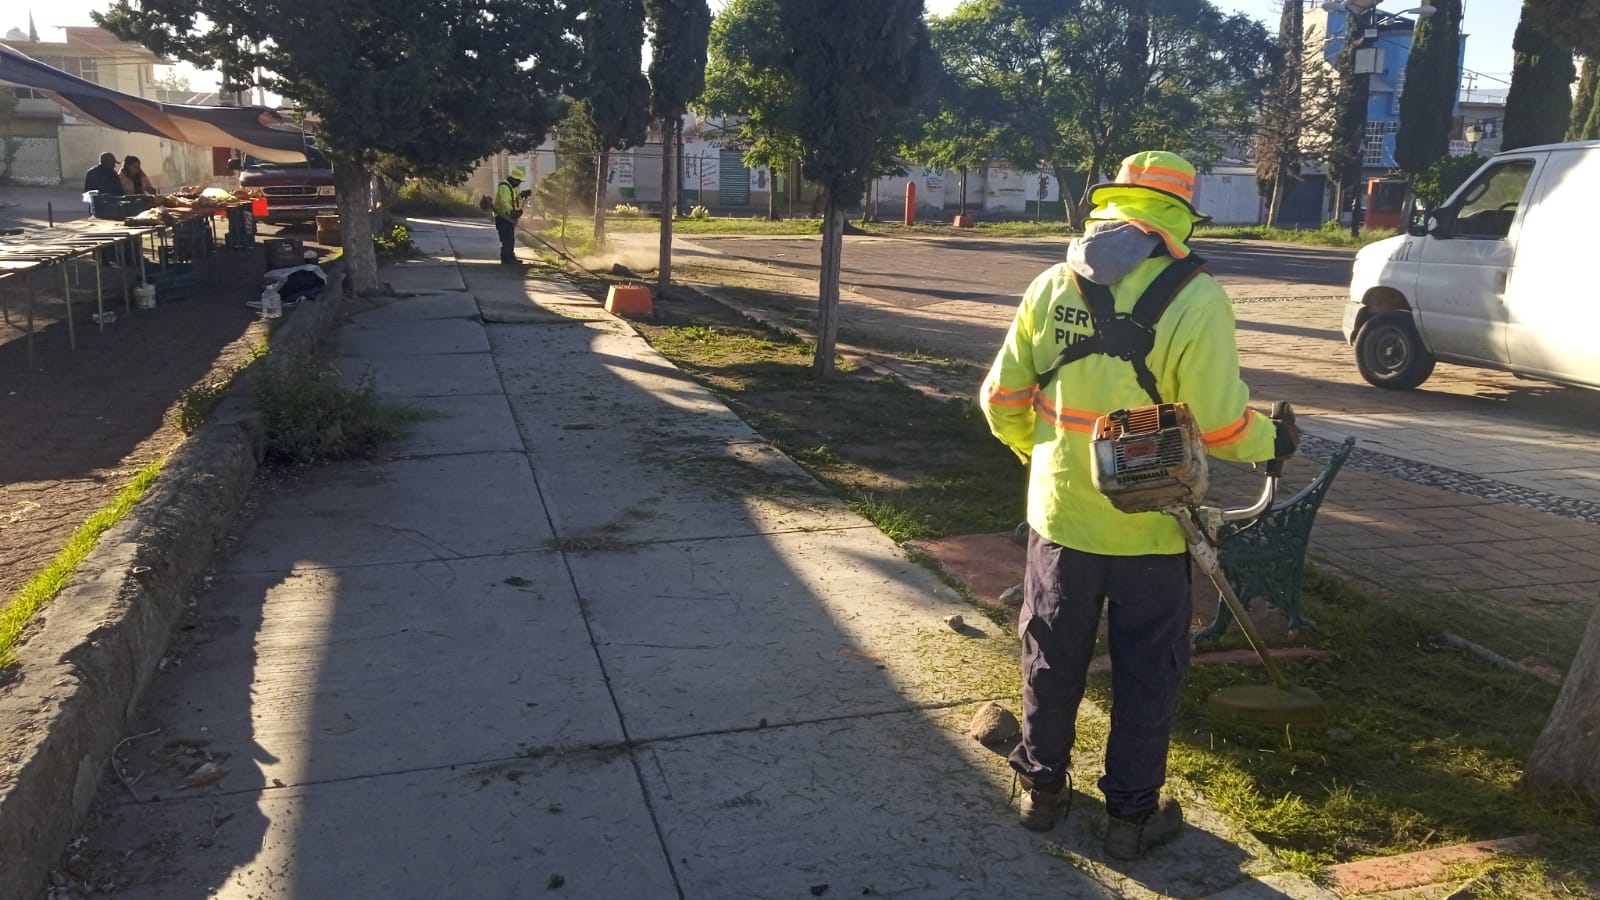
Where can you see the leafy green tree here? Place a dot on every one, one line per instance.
(571, 185)
(1585, 122)
(1539, 104)
(680, 30)
(958, 129)
(1433, 79)
(853, 65)
(747, 85)
(439, 83)
(614, 83)
(1441, 178)
(1083, 83)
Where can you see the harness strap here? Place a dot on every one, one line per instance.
(1132, 336)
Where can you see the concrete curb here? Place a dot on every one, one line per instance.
(94, 649)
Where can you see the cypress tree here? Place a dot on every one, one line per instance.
(1539, 104)
(1277, 143)
(854, 64)
(680, 30)
(614, 84)
(1432, 79)
(1585, 124)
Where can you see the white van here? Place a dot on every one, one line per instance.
(1497, 277)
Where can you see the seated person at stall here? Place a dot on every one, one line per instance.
(133, 178)
(103, 178)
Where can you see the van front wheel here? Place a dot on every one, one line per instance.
(1390, 354)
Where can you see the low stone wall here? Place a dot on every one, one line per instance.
(90, 654)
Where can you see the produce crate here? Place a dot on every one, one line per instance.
(172, 283)
(113, 206)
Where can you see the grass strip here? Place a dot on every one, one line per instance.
(44, 587)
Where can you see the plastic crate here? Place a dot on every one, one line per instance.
(173, 283)
(113, 206)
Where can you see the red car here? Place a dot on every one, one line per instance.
(296, 192)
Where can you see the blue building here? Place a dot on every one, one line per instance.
(1381, 55)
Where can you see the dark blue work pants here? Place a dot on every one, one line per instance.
(507, 229)
(1150, 608)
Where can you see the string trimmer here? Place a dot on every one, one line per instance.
(1152, 459)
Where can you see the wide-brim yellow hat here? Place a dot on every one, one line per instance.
(519, 173)
(1153, 191)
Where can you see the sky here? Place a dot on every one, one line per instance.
(1489, 25)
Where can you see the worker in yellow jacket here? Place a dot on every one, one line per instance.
(1081, 549)
(507, 210)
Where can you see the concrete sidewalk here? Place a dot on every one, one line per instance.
(586, 633)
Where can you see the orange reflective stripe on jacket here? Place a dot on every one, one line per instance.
(1231, 433)
(999, 396)
(1066, 419)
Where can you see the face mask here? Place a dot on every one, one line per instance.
(1107, 253)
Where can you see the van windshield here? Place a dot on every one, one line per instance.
(314, 160)
(1490, 204)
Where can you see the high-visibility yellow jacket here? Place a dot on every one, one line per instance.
(1195, 361)
(505, 200)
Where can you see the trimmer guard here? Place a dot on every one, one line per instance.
(1149, 458)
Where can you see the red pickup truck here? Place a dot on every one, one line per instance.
(296, 192)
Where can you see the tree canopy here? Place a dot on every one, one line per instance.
(853, 65)
(746, 83)
(1539, 104)
(615, 87)
(1079, 84)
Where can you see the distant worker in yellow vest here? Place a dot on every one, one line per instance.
(1085, 342)
(507, 210)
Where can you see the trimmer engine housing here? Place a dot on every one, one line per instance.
(1149, 458)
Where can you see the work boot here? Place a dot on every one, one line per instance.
(1043, 806)
(1132, 838)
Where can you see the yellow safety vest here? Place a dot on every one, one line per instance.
(1195, 361)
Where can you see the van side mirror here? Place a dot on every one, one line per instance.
(234, 164)
(1417, 225)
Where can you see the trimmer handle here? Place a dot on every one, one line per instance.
(1281, 412)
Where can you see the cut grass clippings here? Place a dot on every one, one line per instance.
(1424, 745)
(42, 588)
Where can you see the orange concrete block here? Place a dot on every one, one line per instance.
(962, 222)
(629, 300)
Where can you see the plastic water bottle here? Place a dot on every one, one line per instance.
(271, 304)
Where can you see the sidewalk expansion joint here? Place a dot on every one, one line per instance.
(535, 754)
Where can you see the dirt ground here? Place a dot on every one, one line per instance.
(82, 422)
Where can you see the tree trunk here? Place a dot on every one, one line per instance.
(664, 267)
(964, 191)
(828, 287)
(772, 194)
(600, 199)
(1275, 205)
(353, 184)
(1567, 754)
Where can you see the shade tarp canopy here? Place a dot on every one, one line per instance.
(259, 131)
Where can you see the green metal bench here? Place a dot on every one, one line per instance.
(1267, 560)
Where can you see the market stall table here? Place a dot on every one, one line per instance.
(22, 256)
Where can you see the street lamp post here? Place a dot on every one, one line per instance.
(1366, 59)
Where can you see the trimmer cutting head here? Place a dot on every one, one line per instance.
(1266, 704)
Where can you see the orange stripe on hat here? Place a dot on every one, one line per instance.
(1173, 181)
